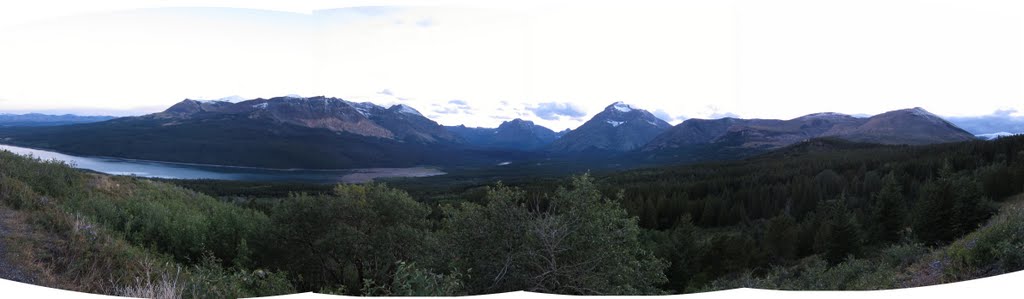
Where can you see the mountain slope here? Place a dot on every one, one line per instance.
(285, 132)
(619, 128)
(516, 134)
(398, 122)
(908, 126)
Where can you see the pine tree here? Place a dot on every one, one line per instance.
(838, 236)
(780, 238)
(888, 210)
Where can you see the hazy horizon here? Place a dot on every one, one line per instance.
(554, 64)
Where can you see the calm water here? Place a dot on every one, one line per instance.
(154, 169)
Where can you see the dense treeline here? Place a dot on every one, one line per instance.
(816, 215)
(827, 198)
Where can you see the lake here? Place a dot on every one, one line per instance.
(168, 170)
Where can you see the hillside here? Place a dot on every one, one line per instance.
(823, 214)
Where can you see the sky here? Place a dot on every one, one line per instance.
(556, 63)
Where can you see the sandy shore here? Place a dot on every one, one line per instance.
(369, 174)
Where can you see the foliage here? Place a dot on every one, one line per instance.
(888, 210)
(780, 238)
(355, 234)
(685, 247)
(128, 236)
(994, 249)
(411, 280)
(838, 234)
(950, 206)
(820, 215)
(576, 242)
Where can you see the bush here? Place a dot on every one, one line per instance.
(94, 238)
(994, 249)
(359, 233)
(175, 221)
(814, 273)
(16, 194)
(411, 280)
(574, 242)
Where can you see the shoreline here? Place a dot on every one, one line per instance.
(346, 175)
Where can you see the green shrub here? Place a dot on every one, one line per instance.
(16, 194)
(175, 221)
(357, 234)
(411, 280)
(209, 279)
(993, 249)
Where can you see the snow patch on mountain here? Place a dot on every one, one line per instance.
(364, 108)
(615, 123)
(403, 108)
(918, 111)
(825, 115)
(622, 107)
(232, 99)
(990, 136)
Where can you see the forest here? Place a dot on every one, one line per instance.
(821, 214)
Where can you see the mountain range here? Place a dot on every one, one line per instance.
(908, 126)
(997, 124)
(323, 132)
(37, 119)
(516, 134)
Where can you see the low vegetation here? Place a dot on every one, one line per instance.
(128, 236)
(824, 214)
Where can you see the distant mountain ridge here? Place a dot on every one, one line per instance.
(324, 132)
(517, 134)
(908, 126)
(39, 119)
(990, 126)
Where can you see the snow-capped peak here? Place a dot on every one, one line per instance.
(294, 96)
(403, 108)
(622, 107)
(921, 112)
